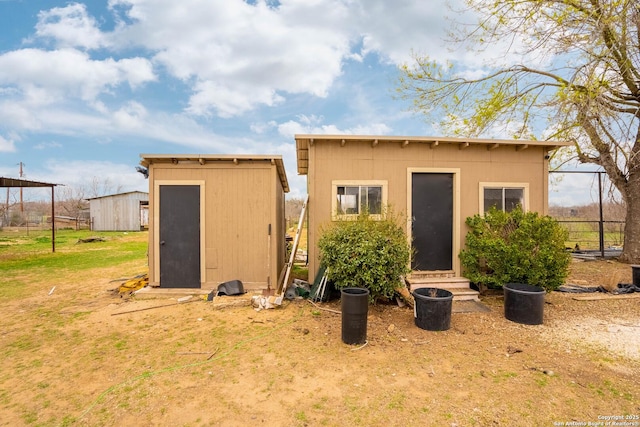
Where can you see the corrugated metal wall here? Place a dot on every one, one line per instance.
(120, 212)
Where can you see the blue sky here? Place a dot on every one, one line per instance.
(86, 87)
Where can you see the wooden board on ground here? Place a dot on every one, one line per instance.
(406, 295)
(605, 296)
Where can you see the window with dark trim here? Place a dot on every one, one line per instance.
(503, 198)
(352, 198)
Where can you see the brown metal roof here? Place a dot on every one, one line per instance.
(304, 141)
(148, 159)
(13, 182)
(23, 183)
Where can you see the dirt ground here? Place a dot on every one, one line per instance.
(83, 356)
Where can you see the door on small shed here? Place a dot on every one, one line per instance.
(432, 221)
(179, 234)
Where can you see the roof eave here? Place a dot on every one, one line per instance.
(147, 160)
(303, 141)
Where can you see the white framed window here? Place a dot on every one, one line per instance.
(503, 196)
(352, 198)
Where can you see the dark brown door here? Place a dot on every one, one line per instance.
(432, 221)
(179, 236)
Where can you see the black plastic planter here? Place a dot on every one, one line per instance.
(523, 303)
(355, 306)
(635, 275)
(432, 309)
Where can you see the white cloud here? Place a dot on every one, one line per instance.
(262, 127)
(472, 73)
(46, 145)
(228, 101)
(313, 125)
(18, 116)
(6, 145)
(573, 189)
(131, 116)
(48, 76)
(233, 55)
(131, 121)
(394, 29)
(70, 26)
(238, 56)
(79, 174)
(261, 63)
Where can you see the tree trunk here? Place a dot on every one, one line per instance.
(631, 251)
(628, 184)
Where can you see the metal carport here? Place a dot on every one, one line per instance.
(23, 183)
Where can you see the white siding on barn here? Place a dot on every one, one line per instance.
(118, 212)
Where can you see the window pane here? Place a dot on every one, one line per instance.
(513, 197)
(355, 199)
(347, 200)
(492, 197)
(374, 200)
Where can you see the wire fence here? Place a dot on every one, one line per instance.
(586, 235)
(596, 226)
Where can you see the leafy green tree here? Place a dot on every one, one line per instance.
(560, 70)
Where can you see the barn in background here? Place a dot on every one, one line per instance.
(216, 218)
(120, 212)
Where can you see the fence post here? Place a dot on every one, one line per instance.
(601, 223)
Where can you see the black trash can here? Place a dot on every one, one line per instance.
(635, 275)
(432, 308)
(523, 303)
(355, 306)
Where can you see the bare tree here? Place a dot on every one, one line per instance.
(9, 214)
(101, 187)
(292, 209)
(573, 74)
(71, 201)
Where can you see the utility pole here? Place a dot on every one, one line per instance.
(21, 203)
(6, 209)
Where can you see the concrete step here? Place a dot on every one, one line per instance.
(438, 282)
(417, 274)
(459, 294)
(458, 286)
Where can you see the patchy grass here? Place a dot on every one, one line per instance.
(27, 258)
(67, 360)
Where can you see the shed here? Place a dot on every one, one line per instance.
(119, 212)
(216, 218)
(435, 183)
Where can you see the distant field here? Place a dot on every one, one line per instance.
(587, 236)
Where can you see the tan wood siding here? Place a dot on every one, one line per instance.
(278, 247)
(240, 202)
(329, 160)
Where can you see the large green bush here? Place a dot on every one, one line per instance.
(366, 253)
(515, 247)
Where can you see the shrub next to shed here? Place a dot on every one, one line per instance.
(515, 247)
(366, 253)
